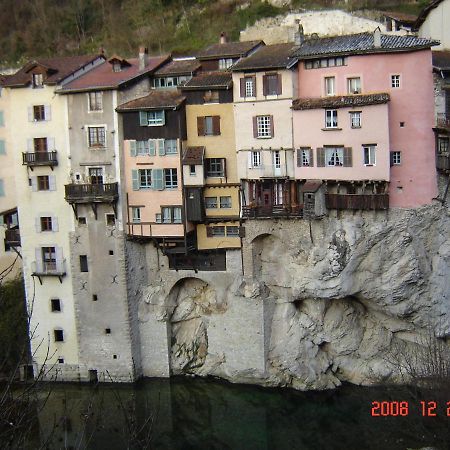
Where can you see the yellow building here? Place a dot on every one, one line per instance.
(209, 161)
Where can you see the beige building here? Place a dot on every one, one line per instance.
(434, 23)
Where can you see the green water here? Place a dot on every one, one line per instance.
(191, 413)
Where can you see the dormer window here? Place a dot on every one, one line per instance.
(117, 67)
(225, 63)
(37, 80)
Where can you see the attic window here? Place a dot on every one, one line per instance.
(37, 80)
(117, 67)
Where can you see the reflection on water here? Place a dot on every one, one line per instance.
(194, 414)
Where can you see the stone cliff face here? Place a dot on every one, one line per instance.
(319, 303)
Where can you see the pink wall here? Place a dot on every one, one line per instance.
(413, 183)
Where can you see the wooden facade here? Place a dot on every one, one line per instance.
(197, 97)
(357, 201)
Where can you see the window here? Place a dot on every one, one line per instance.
(276, 157)
(355, 119)
(354, 85)
(58, 335)
(158, 218)
(232, 231)
(304, 157)
(264, 127)
(170, 146)
(142, 148)
(192, 170)
(334, 156)
(43, 183)
(443, 145)
(95, 101)
(396, 158)
(107, 330)
(37, 80)
(331, 118)
(210, 202)
(218, 231)
(330, 83)
(272, 84)
(255, 159)
(49, 259)
(55, 304)
(369, 155)
(169, 214)
(38, 112)
(46, 224)
(110, 220)
(177, 214)
(225, 202)
(248, 87)
(211, 97)
(82, 221)
(84, 263)
(117, 67)
(208, 126)
(395, 81)
(97, 136)
(215, 167)
(94, 297)
(135, 214)
(96, 175)
(225, 63)
(166, 215)
(145, 178)
(40, 145)
(151, 118)
(170, 178)
(325, 62)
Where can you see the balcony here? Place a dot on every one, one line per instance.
(54, 268)
(39, 159)
(357, 201)
(272, 211)
(92, 194)
(443, 121)
(267, 171)
(12, 237)
(443, 162)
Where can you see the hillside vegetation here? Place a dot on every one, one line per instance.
(63, 27)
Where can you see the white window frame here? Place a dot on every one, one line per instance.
(395, 81)
(306, 156)
(211, 202)
(330, 85)
(94, 145)
(145, 174)
(396, 158)
(250, 86)
(354, 85)
(225, 63)
(256, 159)
(370, 155)
(334, 156)
(95, 101)
(136, 214)
(355, 119)
(171, 149)
(331, 118)
(170, 178)
(155, 120)
(263, 127)
(276, 157)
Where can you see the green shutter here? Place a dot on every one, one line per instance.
(2, 147)
(161, 149)
(158, 179)
(2, 120)
(143, 120)
(135, 179)
(133, 151)
(347, 157)
(151, 147)
(320, 157)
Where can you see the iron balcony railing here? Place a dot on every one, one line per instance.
(79, 193)
(357, 201)
(39, 159)
(270, 211)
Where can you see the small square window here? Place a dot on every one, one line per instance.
(110, 220)
(46, 223)
(355, 119)
(396, 158)
(94, 297)
(107, 330)
(43, 183)
(84, 263)
(232, 231)
(225, 202)
(55, 304)
(111, 252)
(58, 335)
(114, 356)
(210, 202)
(218, 231)
(38, 113)
(82, 221)
(97, 137)
(402, 124)
(192, 170)
(395, 81)
(60, 360)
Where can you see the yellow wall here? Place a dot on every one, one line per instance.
(231, 191)
(207, 243)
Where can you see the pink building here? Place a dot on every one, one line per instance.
(363, 120)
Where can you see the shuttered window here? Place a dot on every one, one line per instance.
(215, 167)
(208, 125)
(272, 84)
(263, 127)
(248, 87)
(305, 157)
(151, 118)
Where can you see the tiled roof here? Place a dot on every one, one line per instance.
(156, 99)
(179, 67)
(269, 56)
(216, 80)
(424, 13)
(312, 185)
(399, 16)
(103, 76)
(441, 60)
(228, 49)
(359, 44)
(340, 101)
(59, 68)
(193, 155)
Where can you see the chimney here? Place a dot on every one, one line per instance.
(299, 36)
(143, 57)
(223, 38)
(377, 38)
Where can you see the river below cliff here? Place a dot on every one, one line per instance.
(195, 413)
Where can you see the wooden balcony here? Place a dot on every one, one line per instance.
(443, 162)
(357, 201)
(92, 194)
(443, 121)
(272, 211)
(12, 237)
(39, 159)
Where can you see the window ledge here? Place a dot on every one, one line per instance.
(332, 129)
(369, 165)
(98, 148)
(355, 128)
(264, 137)
(249, 99)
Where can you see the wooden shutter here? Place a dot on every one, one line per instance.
(224, 167)
(279, 84)
(133, 149)
(272, 128)
(135, 179)
(2, 147)
(320, 157)
(250, 162)
(242, 84)
(52, 182)
(255, 127)
(47, 112)
(30, 114)
(37, 224)
(201, 126)
(30, 146)
(264, 84)
(161, 148)
(299, 157)
(143, 120)
(347, 157)
(209, 232)
(242, 232)
(55, 225)
(34, 185)
(158, 179)
(38, 256)
(391, 158)
(59, 259)
(216, 125)
(311, 157)
(50, 144)
(254, 86)
(152, 147)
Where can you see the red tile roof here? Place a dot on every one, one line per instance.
(228, 49)
(59, 68)
(341, 101)
(156, 99)
(179, 67)
(103, 76)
